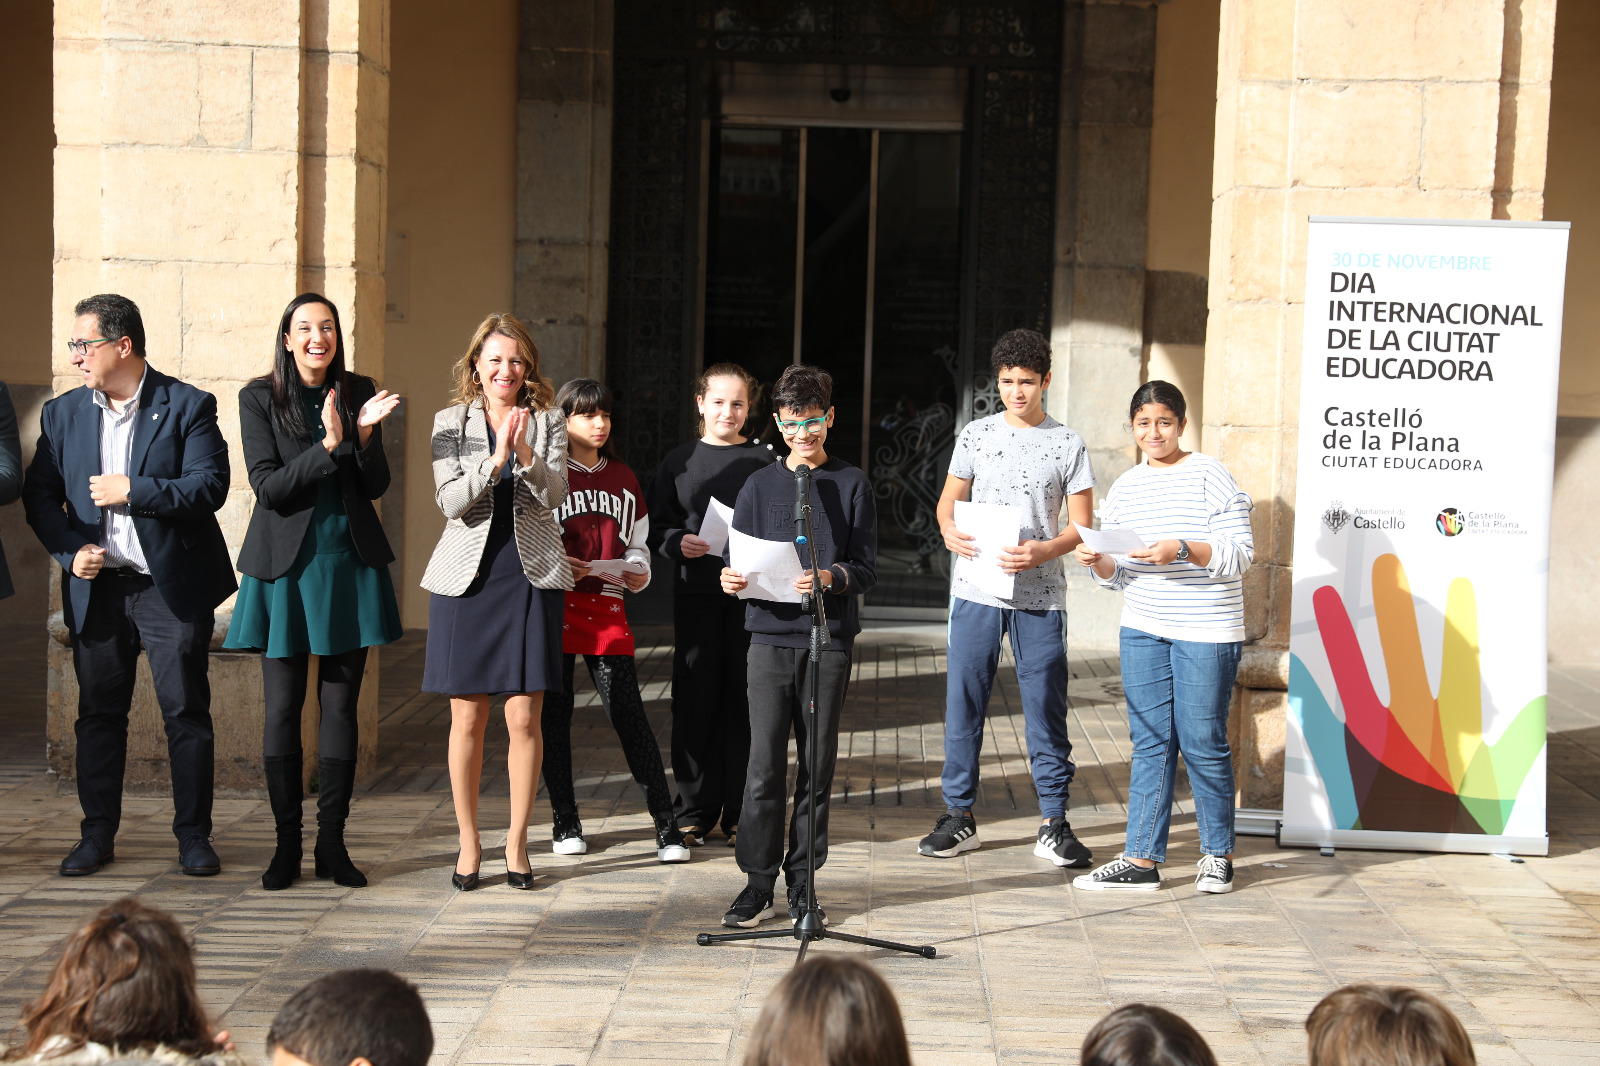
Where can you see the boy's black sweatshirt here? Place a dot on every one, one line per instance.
(844, 520)
(679, 496)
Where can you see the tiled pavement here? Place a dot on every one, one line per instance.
(599, 964)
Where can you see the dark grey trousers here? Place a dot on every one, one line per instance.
(780, 693)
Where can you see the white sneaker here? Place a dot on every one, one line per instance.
(670, 845)
(1216, 874)
(566, 836)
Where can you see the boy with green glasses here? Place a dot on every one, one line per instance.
(845, 530)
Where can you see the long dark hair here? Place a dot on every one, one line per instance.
(287, 410)
(585, 396)
(126, 980)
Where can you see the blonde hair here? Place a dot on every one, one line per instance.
(537, 391)
(1365, 1025)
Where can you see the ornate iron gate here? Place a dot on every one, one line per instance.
(663, 55)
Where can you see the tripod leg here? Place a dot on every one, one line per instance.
(927, 951)
(707, 939)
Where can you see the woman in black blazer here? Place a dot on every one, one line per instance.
(315, 564)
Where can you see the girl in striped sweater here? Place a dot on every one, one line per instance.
(1182, 632)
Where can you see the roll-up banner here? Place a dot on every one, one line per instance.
(1417, 665)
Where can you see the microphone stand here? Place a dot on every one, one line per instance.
(810, 926)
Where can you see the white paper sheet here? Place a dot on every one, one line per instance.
(615, 568)
(992, 527)
(771, 567)
(1119, 541)
(715, 525)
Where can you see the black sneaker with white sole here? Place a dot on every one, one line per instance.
(1058, 844)
(953, 833)
(566, 835)
(752, 907)
(670, 846)
(1216, 874)
(797, 903)
(1120, 875)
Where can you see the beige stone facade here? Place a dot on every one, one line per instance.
(211, 159)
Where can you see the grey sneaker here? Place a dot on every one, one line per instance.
(1216, 874)
(1120, 875)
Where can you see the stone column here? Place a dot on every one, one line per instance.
(564, 182)
(1397, 108)
(1097, 324)
(195, 173)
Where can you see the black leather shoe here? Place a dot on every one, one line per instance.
(198, 858)
(516, 880)
(86, 857)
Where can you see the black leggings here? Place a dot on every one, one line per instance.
(283, 684)
(618, 683)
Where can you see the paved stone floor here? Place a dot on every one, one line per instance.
(599, 964)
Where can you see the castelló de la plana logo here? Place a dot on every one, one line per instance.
(1336, 516)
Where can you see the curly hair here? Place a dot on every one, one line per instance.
(126, 980)
(1025, 349)
(537, 392)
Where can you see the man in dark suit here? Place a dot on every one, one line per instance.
(123, 490)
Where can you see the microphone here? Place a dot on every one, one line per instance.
(802, 501)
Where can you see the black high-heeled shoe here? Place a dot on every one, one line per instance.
(465, 882)
(516, 880)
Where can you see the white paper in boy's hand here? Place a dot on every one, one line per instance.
(616, 567)
(715, 525)
(991, 527)
(770, 566)
(1119, 541)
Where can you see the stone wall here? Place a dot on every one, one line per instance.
(564, 182)
(1097, 322)
(1429, 108)
(213, 159)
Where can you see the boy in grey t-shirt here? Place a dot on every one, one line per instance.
(1020, 458)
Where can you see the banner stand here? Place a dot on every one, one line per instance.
(1418, 630)
(1394, 840)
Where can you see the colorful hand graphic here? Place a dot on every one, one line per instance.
(1421, 763)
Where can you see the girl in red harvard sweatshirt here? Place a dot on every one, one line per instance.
(603, 520)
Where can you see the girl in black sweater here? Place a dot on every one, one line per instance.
(710, 712)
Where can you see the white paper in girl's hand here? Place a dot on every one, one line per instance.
(1118, 541)
(715, 525)
(616, 567)
(770, 566)
(991, 527)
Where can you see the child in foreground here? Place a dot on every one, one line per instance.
(364, 1017)
(845, 529)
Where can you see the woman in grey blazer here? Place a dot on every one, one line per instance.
(499, 574)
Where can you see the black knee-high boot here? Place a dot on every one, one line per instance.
(285, 793)
(336, 781)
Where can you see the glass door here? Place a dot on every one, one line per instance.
(841, 247)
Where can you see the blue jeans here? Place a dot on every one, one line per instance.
(1178, 695)
(1038, 643)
